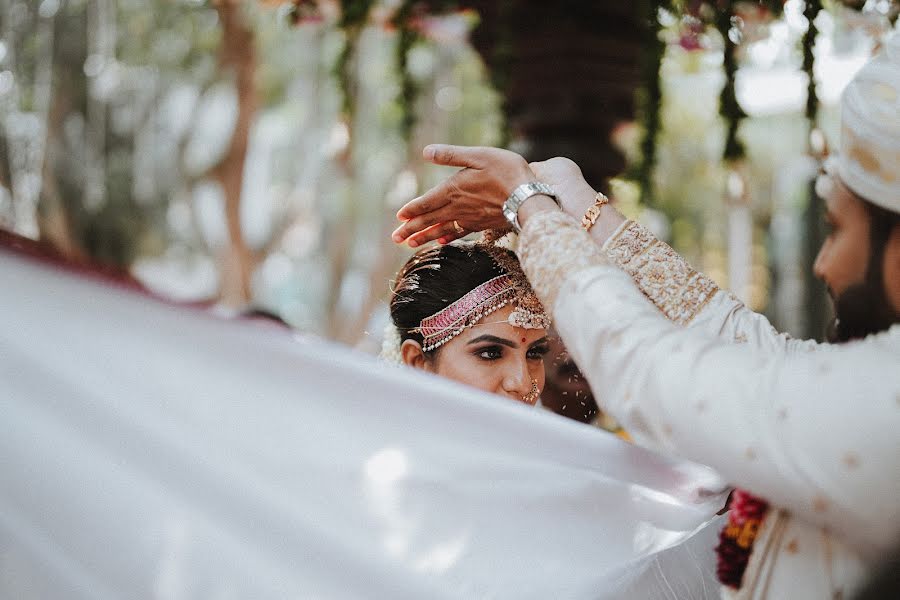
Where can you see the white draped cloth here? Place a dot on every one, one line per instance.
(151, 451)
(813, 429)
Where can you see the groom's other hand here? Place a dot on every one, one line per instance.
(564, 176)
(576, 196)
(469, 200)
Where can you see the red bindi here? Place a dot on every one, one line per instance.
(523, 340)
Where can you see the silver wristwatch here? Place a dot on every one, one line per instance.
(520, 195)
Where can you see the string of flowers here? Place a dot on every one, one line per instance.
(724, 15)
(648, 98)
(413, 20)
(354, 15)
(409, 89)
(729, 107)
(811, 11)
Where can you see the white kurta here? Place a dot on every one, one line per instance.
(813, 429)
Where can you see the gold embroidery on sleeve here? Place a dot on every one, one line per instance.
(553, 246)
(676, 289)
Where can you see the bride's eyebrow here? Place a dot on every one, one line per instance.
(494, 339)
(543, 340)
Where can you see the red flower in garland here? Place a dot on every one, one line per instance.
(745, 518)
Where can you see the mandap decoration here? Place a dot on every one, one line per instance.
(414, 22)
(732, 21)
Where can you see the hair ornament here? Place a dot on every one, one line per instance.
(510, 288)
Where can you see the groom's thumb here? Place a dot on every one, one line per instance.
(453, 156)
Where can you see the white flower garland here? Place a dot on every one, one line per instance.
(390, 345)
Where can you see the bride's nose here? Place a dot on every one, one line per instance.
(517, 379)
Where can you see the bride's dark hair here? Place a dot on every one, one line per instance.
(435, 277)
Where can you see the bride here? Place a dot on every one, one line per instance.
(465, 311)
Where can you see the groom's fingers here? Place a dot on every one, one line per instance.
(422, 222)
(433, 200)
(444, 233)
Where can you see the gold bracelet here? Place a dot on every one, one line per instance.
(590, 217)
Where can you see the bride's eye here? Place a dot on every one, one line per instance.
(538, 352)
(489, 353)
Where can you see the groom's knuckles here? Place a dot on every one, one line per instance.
(446, 230)
(422, 205)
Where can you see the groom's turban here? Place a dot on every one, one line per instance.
(869, 159)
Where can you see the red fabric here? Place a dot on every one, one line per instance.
(49, 254)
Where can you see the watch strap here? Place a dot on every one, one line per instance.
(522, 193)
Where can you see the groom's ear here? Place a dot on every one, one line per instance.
(413, 356)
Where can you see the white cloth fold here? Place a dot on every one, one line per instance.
(147, 451)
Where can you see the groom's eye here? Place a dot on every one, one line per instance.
(489, 353)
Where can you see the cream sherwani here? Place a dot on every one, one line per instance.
(813, 429)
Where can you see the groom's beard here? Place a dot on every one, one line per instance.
(861, 310)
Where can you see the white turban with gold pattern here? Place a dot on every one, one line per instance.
(869, 160)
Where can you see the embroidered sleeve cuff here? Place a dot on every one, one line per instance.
(676, 289)
(552, 247)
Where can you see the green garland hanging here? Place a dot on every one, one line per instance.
(408, 36)
(811, 11)
(354, 15)
(648, 98)
(729, 107)
(409, 88)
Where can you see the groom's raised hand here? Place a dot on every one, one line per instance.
(469, 200)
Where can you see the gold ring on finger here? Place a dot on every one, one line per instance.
(458, 228)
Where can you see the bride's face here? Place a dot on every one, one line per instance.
(495, 357)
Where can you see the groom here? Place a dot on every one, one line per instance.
(811, 428)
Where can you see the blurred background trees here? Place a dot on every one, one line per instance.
(238, 152)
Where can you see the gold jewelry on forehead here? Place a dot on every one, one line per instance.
(510, 288)
(489, 297)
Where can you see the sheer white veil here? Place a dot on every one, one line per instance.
(148, 451)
